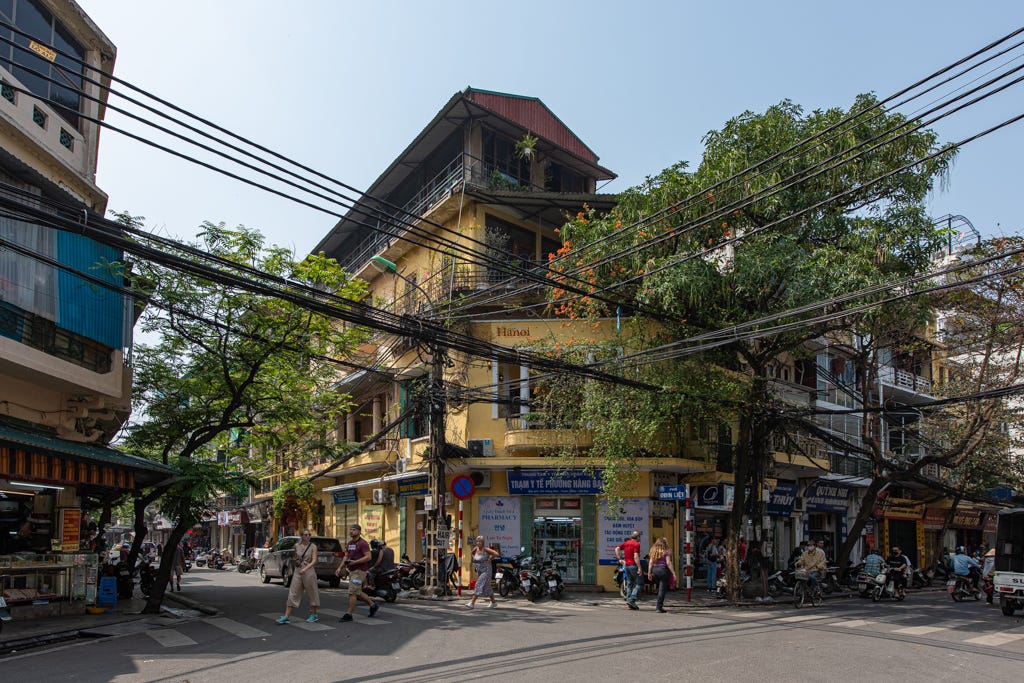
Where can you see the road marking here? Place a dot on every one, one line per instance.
(854, 623)
(311, 626)
(170, 638)
(236, 628)
(757, 615)
(995, 639)
(920, 630)
(803, 617)
(362, 619)
(407, 613)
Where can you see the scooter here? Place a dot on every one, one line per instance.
(411, 575)
(920, 579)
(384, 585)
(147, 576)
(530, 583)
(506, 574)
(960, 587)
(883, 585)
(553, 581)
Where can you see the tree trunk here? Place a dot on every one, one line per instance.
(139, 508)
(163, 572)
(867, 509)
(945, 525)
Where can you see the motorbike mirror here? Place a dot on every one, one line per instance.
(522, 548)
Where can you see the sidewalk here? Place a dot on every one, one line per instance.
(123, 619)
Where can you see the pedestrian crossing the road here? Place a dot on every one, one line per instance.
(389, 614)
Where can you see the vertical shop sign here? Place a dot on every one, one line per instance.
(499, 518)
(372, 521)
(613, 529)
(70, 529)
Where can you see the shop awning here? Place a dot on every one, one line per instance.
(38, 457)
(377, 480)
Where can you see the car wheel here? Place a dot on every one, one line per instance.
(1006, 607)
(286, 578)
(263, 574)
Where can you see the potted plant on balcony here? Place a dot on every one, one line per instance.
(526, 147)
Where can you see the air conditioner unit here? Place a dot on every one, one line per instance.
(380, 496)
(402, 465)
(481, 448)
(799, 505)
(481, 478)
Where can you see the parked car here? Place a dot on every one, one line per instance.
(279, 562)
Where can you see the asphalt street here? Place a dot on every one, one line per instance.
(584, 637)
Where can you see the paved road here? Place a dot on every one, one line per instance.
(927, 638)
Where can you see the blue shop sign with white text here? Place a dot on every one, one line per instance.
(780, 504)
(561, 482)
(340, 497)
(827, 496)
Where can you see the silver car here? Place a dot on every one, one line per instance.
(279, 562)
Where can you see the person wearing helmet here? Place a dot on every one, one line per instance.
(382, 560)
(965, 565)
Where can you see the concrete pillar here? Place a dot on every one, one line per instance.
(350, 427)
(378, 421)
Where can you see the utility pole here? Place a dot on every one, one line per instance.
(437, 531)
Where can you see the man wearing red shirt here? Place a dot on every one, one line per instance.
(357, 561)
(628, 552)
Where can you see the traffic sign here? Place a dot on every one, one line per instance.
(674, 492)
(463, 487)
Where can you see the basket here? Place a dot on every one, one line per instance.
(801, 575)
(95, 610)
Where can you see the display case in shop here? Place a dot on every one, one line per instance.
(38, 579)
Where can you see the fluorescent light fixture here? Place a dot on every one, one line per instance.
(29, 485)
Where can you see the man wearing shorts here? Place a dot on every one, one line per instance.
(357, 561)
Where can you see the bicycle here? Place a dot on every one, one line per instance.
(803, 593)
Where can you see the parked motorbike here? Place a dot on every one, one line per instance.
(780, 582)
(217, 561)
(125, 580)
(506, 574)
(247, 564)
(883, 585)
(202, 558)
(530, 580)
(411, 574)
(830, 580)
(552, 580)
(620, 578)
(851, 581)
(960, 587)
(920, 578)
(147, 576)
(188, 564)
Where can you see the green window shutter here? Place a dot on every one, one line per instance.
(526, 523)
(589, 534)
(404, 429)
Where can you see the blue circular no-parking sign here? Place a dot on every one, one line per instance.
(463, 487)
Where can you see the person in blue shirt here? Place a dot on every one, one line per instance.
(873, 563)
(963, 565)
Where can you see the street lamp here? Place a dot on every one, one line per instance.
(436, 531)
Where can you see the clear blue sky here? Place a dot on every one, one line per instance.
(344, 86)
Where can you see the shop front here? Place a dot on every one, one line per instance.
(49, 489)
(782, 523)
(903, 527)
(933, 522)
(968, 524)
(827, 504)
(712, 505)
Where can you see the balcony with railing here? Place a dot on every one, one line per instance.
(904, 380)
(528, 435)
(389, 224)
(799, 450)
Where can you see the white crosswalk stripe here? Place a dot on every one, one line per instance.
(361, 617)
(853, 623)
(995, 639)
(803, 617)
(168, 637)
(236, 628)
(920, 630)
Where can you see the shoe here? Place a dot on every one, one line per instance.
(492, 604)
(313, 618)
(662, 610)
(179, 586)
(469, 605)
(284, 620)
(345, 617)
(373, 609)
(632, 605)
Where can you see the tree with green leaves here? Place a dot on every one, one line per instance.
(227, 362)
(832, 204)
